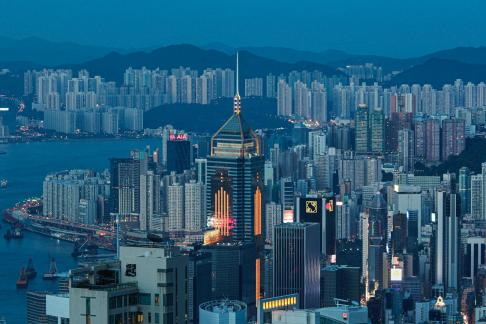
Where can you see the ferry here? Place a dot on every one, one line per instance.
(22, 281)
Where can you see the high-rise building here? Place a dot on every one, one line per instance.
(194, 206)
(175, 207)
(362, 131)
(406, 149)
(453, 138)
(340, 282)
(377, 131)
(476, 204)
(296, 262)
(233, 271)
(178, 153)
(465, 190)
(432, 140)
(149, 199)
(161, 275)
(447, 240)
(317, 209)
(235, 178)
(125, 185)
(36, 307)
(273, 217)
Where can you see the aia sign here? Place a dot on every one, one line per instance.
(178, 137)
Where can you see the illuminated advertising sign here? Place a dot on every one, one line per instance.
(288, 216)
(310, 210)
(178, 137)
(396, 274)
(320, 210)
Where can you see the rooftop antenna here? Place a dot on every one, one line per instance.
(237, 99)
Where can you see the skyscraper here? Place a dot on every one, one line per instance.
(178, 153)
(361, 124)
(149, 199)
(194, 206)
(453, 137)
(235, 178)
(465, 190)
(377, 130)
(296, 262)
(447, 240)
(175, 207)
(125, 184)
(406, 147)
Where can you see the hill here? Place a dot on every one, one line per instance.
(438, 72)
(39, 51)
(468, 158)
(114, 64)
(259, 113)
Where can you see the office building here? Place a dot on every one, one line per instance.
(160, 277)
(447, 240)
(296, 262)
(233, 271)
(341, 282)
(36, 307)
(235, 178)
(178, 153)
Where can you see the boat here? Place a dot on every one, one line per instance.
(3, 183)
(30, 270)
(52, 273)
(7, 235)
(17, 233)
(22, 281)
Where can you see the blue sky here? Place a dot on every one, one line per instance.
(398, 28)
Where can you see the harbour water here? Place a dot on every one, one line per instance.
(25, 166)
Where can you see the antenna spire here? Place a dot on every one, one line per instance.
(237, 99)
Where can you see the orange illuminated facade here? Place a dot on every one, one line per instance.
(222, 221)
(257, 221)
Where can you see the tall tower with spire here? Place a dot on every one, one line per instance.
(234, 192)
(235, 177)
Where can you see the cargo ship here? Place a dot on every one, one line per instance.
(52, 273)
(30, 270)
(22, 281)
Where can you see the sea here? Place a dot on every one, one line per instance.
(25, 165)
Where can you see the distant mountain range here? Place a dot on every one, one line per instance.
(467, 63)
(338, 58)
(38, 51)
(437, 72)
(114, 64)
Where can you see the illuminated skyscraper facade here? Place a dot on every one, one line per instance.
(235, 179)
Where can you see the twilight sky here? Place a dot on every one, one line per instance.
(398, 28)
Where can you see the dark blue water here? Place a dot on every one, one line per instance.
(25, 166)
